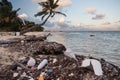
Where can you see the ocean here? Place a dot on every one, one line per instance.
(99, 44)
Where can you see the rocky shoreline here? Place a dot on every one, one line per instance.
(59, 67)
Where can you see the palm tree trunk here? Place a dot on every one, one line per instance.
(24, 31)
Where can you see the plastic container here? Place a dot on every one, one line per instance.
(42, 64)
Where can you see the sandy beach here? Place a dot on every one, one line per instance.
(59, 67)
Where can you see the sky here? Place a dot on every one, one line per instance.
(82, 15)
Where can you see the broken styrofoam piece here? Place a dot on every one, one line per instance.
(31, 62)
(70, 53)
(97, 67)
(95, 64)
(42, 64)
(15, 74)
(86, 63)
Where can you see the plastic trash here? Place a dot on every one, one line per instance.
(97, 67)
(24, 74)
(49, 70)
(15, 74)
(33, 68)
(95, 64)
(54, 60)
(70, 53)
(41, 78)
(17, 33)
(31, 62)
(42, 64)
(31, 79)
(19, 68)
(85, 63)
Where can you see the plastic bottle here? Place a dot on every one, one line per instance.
(42, 64)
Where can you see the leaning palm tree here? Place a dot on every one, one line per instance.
(48, 10)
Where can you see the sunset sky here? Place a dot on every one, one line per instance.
(81, 14)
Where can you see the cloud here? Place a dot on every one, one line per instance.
(65, 3)
(49, 24)
(106, 23)
(62, 3)
(61, 20)
(23, 16)
(38, 0)
(39, 8)
(98, 16)
(90, 10)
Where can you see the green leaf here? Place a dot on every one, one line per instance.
(51, 2)
(61, 13)
(44, 4)
(40, 13)
(43, 16)
(54, 6)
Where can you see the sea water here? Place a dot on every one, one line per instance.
(99, 44)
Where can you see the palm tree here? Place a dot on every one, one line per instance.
(48, 9)
(8, 17)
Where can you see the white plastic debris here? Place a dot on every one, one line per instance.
(31, 62)
(19, 68)
(22, 41)
(31, 79)
(42, 74)
(24, 74)
(70, 53)
(42, 64)
(54, 60)
(15, 74)
(97, 67)
(95, 64)
(85, 63)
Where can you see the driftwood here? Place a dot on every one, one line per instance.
(26, 38)
(34, 38)
(21, 65)
(8, 41)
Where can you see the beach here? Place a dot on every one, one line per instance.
(14, 55)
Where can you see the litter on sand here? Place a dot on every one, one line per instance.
(42, 64)
(95, 64)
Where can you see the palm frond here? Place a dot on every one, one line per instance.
(40, 13)
(56, 1)
(43, 16)
(55, 6)
(53, 14)
(1, 4)
(61, 13)
(44, 4)
(51, 2)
